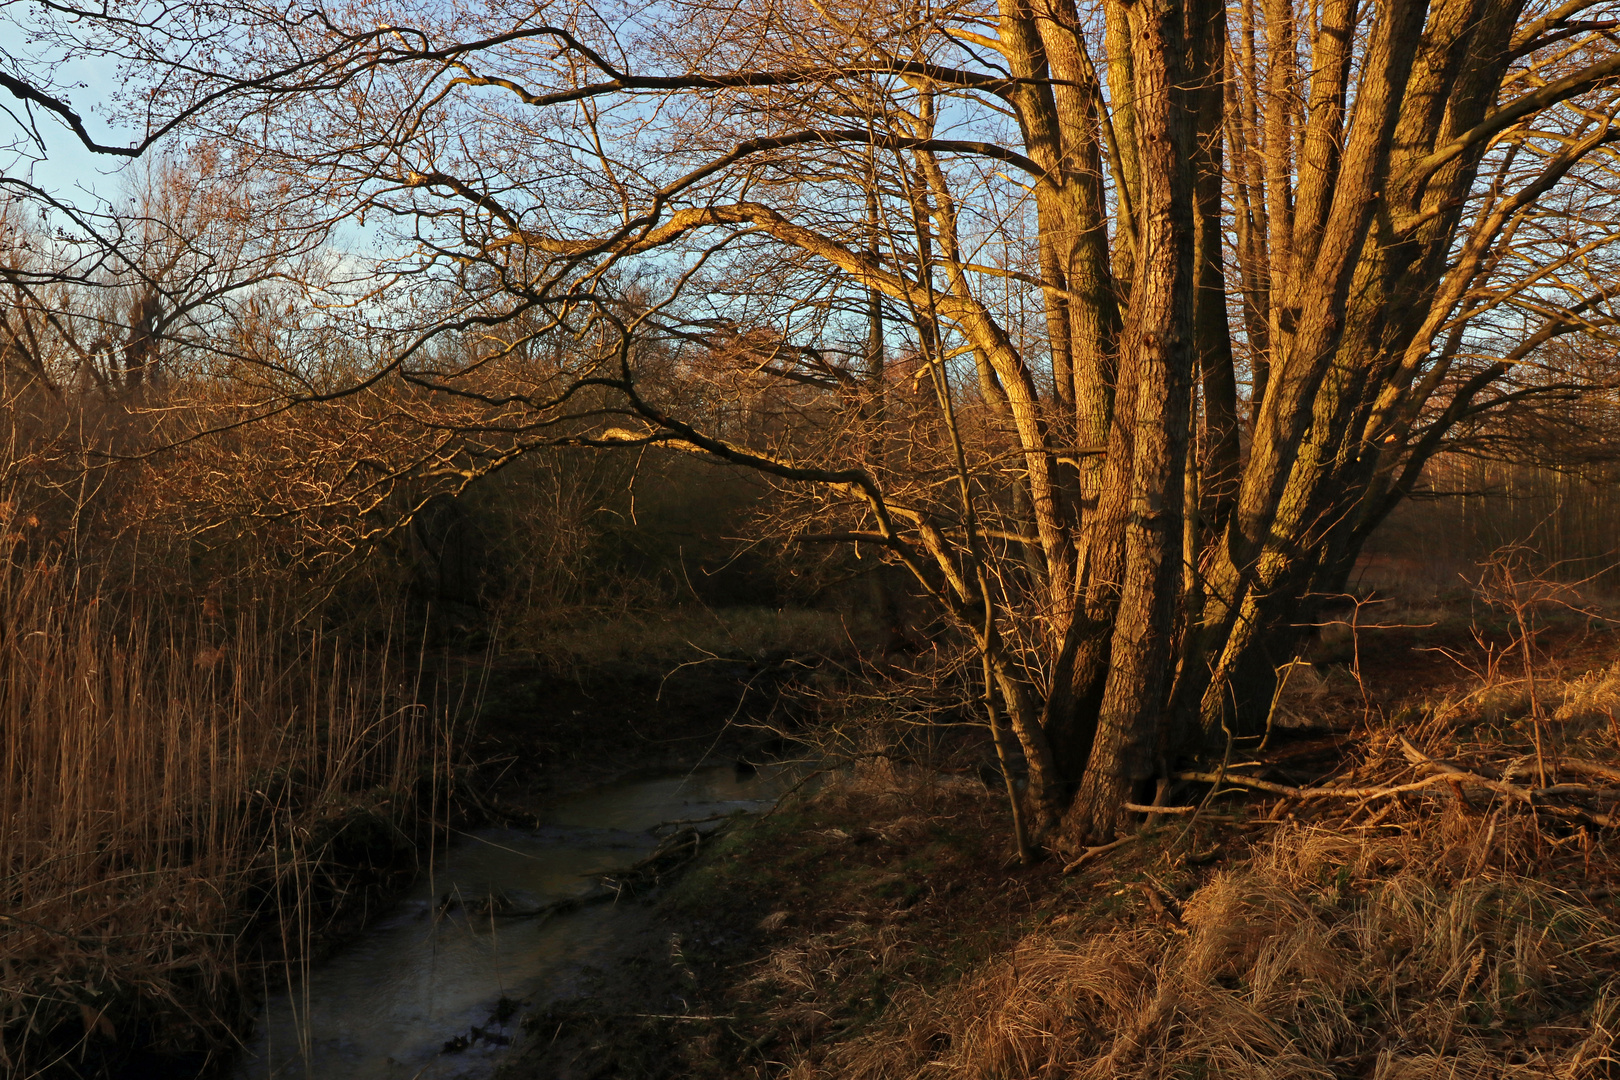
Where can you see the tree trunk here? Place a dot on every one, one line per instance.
(1160, 347)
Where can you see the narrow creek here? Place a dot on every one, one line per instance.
(439, 966)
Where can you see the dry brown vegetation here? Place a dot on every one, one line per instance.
(1457, 930)
(220, 745)
(189, 772)
(1429, 952)
(201, 771)
(1424, 904)
(178, 800)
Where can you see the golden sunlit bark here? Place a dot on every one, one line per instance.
(1118, 326)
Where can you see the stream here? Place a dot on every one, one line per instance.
(403, 999)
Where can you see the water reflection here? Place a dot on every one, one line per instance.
(437, 968)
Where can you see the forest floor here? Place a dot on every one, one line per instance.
(882, 928)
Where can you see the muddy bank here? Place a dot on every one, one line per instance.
(882, 931)
(796, 928)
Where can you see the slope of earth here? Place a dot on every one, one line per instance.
(1411, 899)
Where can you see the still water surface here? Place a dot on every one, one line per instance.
(384, 1006)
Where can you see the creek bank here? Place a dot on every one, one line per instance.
(502, 916)
(793, 929)
(880, 930)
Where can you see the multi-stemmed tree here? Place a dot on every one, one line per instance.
(1120, 326)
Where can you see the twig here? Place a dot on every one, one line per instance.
(1100, 850)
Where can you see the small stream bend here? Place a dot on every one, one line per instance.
(435, 970)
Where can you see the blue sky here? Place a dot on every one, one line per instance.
(69, 171)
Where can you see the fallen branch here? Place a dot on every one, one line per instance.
(1587, 768)
(1575, 813)
(1536, 798)
(1318, 793)
(674, 852)
(1100, 850)
(1443, 773)
(681, 823)
(1138, 808)
(558, 907)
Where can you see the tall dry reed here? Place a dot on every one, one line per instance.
(169, 795)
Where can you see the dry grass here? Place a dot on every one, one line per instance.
(1328, 954)
(1448, 933)
(1590, 703)
(164, 794)
(1309, 697)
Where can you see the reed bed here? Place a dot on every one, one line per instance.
(180, 796)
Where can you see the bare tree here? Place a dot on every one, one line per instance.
(1119, 326)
